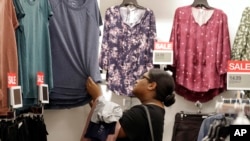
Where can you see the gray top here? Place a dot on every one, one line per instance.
(74, 31)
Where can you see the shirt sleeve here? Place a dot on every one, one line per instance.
(104, 54)
(223, 53)
(174, 36)
(152, 37)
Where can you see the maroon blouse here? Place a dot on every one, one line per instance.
(201, 50)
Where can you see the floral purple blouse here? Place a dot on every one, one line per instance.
(127, 45)
(201, 50)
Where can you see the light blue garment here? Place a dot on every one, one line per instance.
(206, 124)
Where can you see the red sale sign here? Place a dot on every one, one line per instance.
(12, 79)
(163, 46)
(238, 75)
(40, 78)
(238, 66)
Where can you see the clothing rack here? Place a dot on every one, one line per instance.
(28, 122)
(199, 113)
(36, 109)
(234, 105)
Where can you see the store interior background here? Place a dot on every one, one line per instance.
(67, 124)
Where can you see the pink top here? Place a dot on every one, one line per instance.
(201, 48)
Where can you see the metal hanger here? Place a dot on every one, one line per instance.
(131, 2)
(201, 3)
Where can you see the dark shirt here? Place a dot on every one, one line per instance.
(135, 125)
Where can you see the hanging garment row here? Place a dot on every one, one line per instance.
(24, 125)
(229, 111)
(23, 128)
(129, 37)
(215, 128)
(212, 126)
(42, 37)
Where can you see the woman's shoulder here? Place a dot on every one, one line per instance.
(151, 107)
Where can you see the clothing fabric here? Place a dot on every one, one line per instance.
(23, 129)
(8, 50)
(135, 123)
(127, 45)
(241, 45)
(201, 51)
(186, 127)
(217, 128)
(74, 30)
(19, 10)
(20, 37)
(100, 131)
(198, 96)
(34, 52)
(87, 133)
(106, 111)
(206, 125)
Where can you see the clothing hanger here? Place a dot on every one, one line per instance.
(201, 3)
(196, 114)
(131, 2)
(218, 130)
(216, 127)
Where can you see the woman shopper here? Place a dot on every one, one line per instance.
(154, 90)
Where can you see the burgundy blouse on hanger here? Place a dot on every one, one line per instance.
(201, 50)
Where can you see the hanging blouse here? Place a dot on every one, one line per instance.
(201, 50)
(126, 50)
(241, 45)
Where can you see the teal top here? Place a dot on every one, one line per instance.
(35, 55)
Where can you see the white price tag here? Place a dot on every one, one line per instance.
(163, 53)
(163, 57)
(238, 75)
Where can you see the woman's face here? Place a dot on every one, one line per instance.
(141, 85)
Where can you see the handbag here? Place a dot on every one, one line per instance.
(149, 122)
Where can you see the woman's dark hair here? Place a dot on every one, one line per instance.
(165, 86)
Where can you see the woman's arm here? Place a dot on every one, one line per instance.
(93, 89)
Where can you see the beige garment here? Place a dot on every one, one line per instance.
(8, 50)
